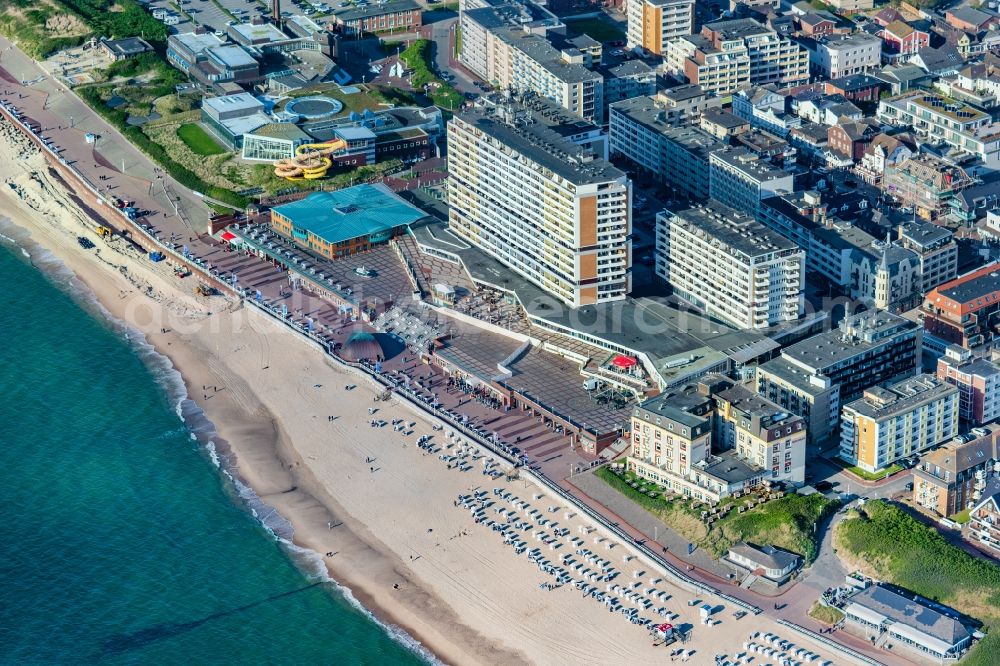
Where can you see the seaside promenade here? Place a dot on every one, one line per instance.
(117, 169)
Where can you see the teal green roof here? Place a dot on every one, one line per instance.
(350, 213)
(361, 336)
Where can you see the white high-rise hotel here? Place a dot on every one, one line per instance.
(523, 191)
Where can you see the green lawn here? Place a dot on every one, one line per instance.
(198, 140)
(368, 96)
(787, 522)
(599, 29)
(825, 614)
(418, 58)
(887, 543)
(962, 517)
(869, 476)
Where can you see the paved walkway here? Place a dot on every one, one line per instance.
(632, 513)
(66, 119)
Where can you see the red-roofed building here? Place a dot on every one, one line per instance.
(966, 310)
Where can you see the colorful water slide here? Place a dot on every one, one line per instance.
(311, 161)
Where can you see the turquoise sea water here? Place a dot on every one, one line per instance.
(124, 542)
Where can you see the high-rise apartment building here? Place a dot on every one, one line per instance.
(478, 20)
(641, 131)
(653, 23)
(731, 266)
(524, 62)
(523, 192)
(509, 45)
(894, 422)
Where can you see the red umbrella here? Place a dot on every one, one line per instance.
(624, 362)
(228, 236)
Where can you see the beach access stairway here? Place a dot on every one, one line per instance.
(406, 250)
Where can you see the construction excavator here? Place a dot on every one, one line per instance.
(311, 161)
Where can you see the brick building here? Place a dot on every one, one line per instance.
(964, 311)
(945, 480)
(851, 139)
(391, 16)
(902, 39)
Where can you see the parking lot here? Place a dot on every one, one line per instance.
(207, 13)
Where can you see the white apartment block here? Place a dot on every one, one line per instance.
(531, 198)
(897, 421)
(525, 62)
(654, 23)
(732, 55)
(935, 119)
(480, 20)
(640, 130)
(731, 266)
(740, 178)
(715, 71)
(508, 45)
(835, 57)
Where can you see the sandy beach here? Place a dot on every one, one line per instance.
(380, 511)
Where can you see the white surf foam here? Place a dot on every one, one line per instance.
(198, 425)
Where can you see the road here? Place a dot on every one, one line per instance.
(442, 32)
(823, 469)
